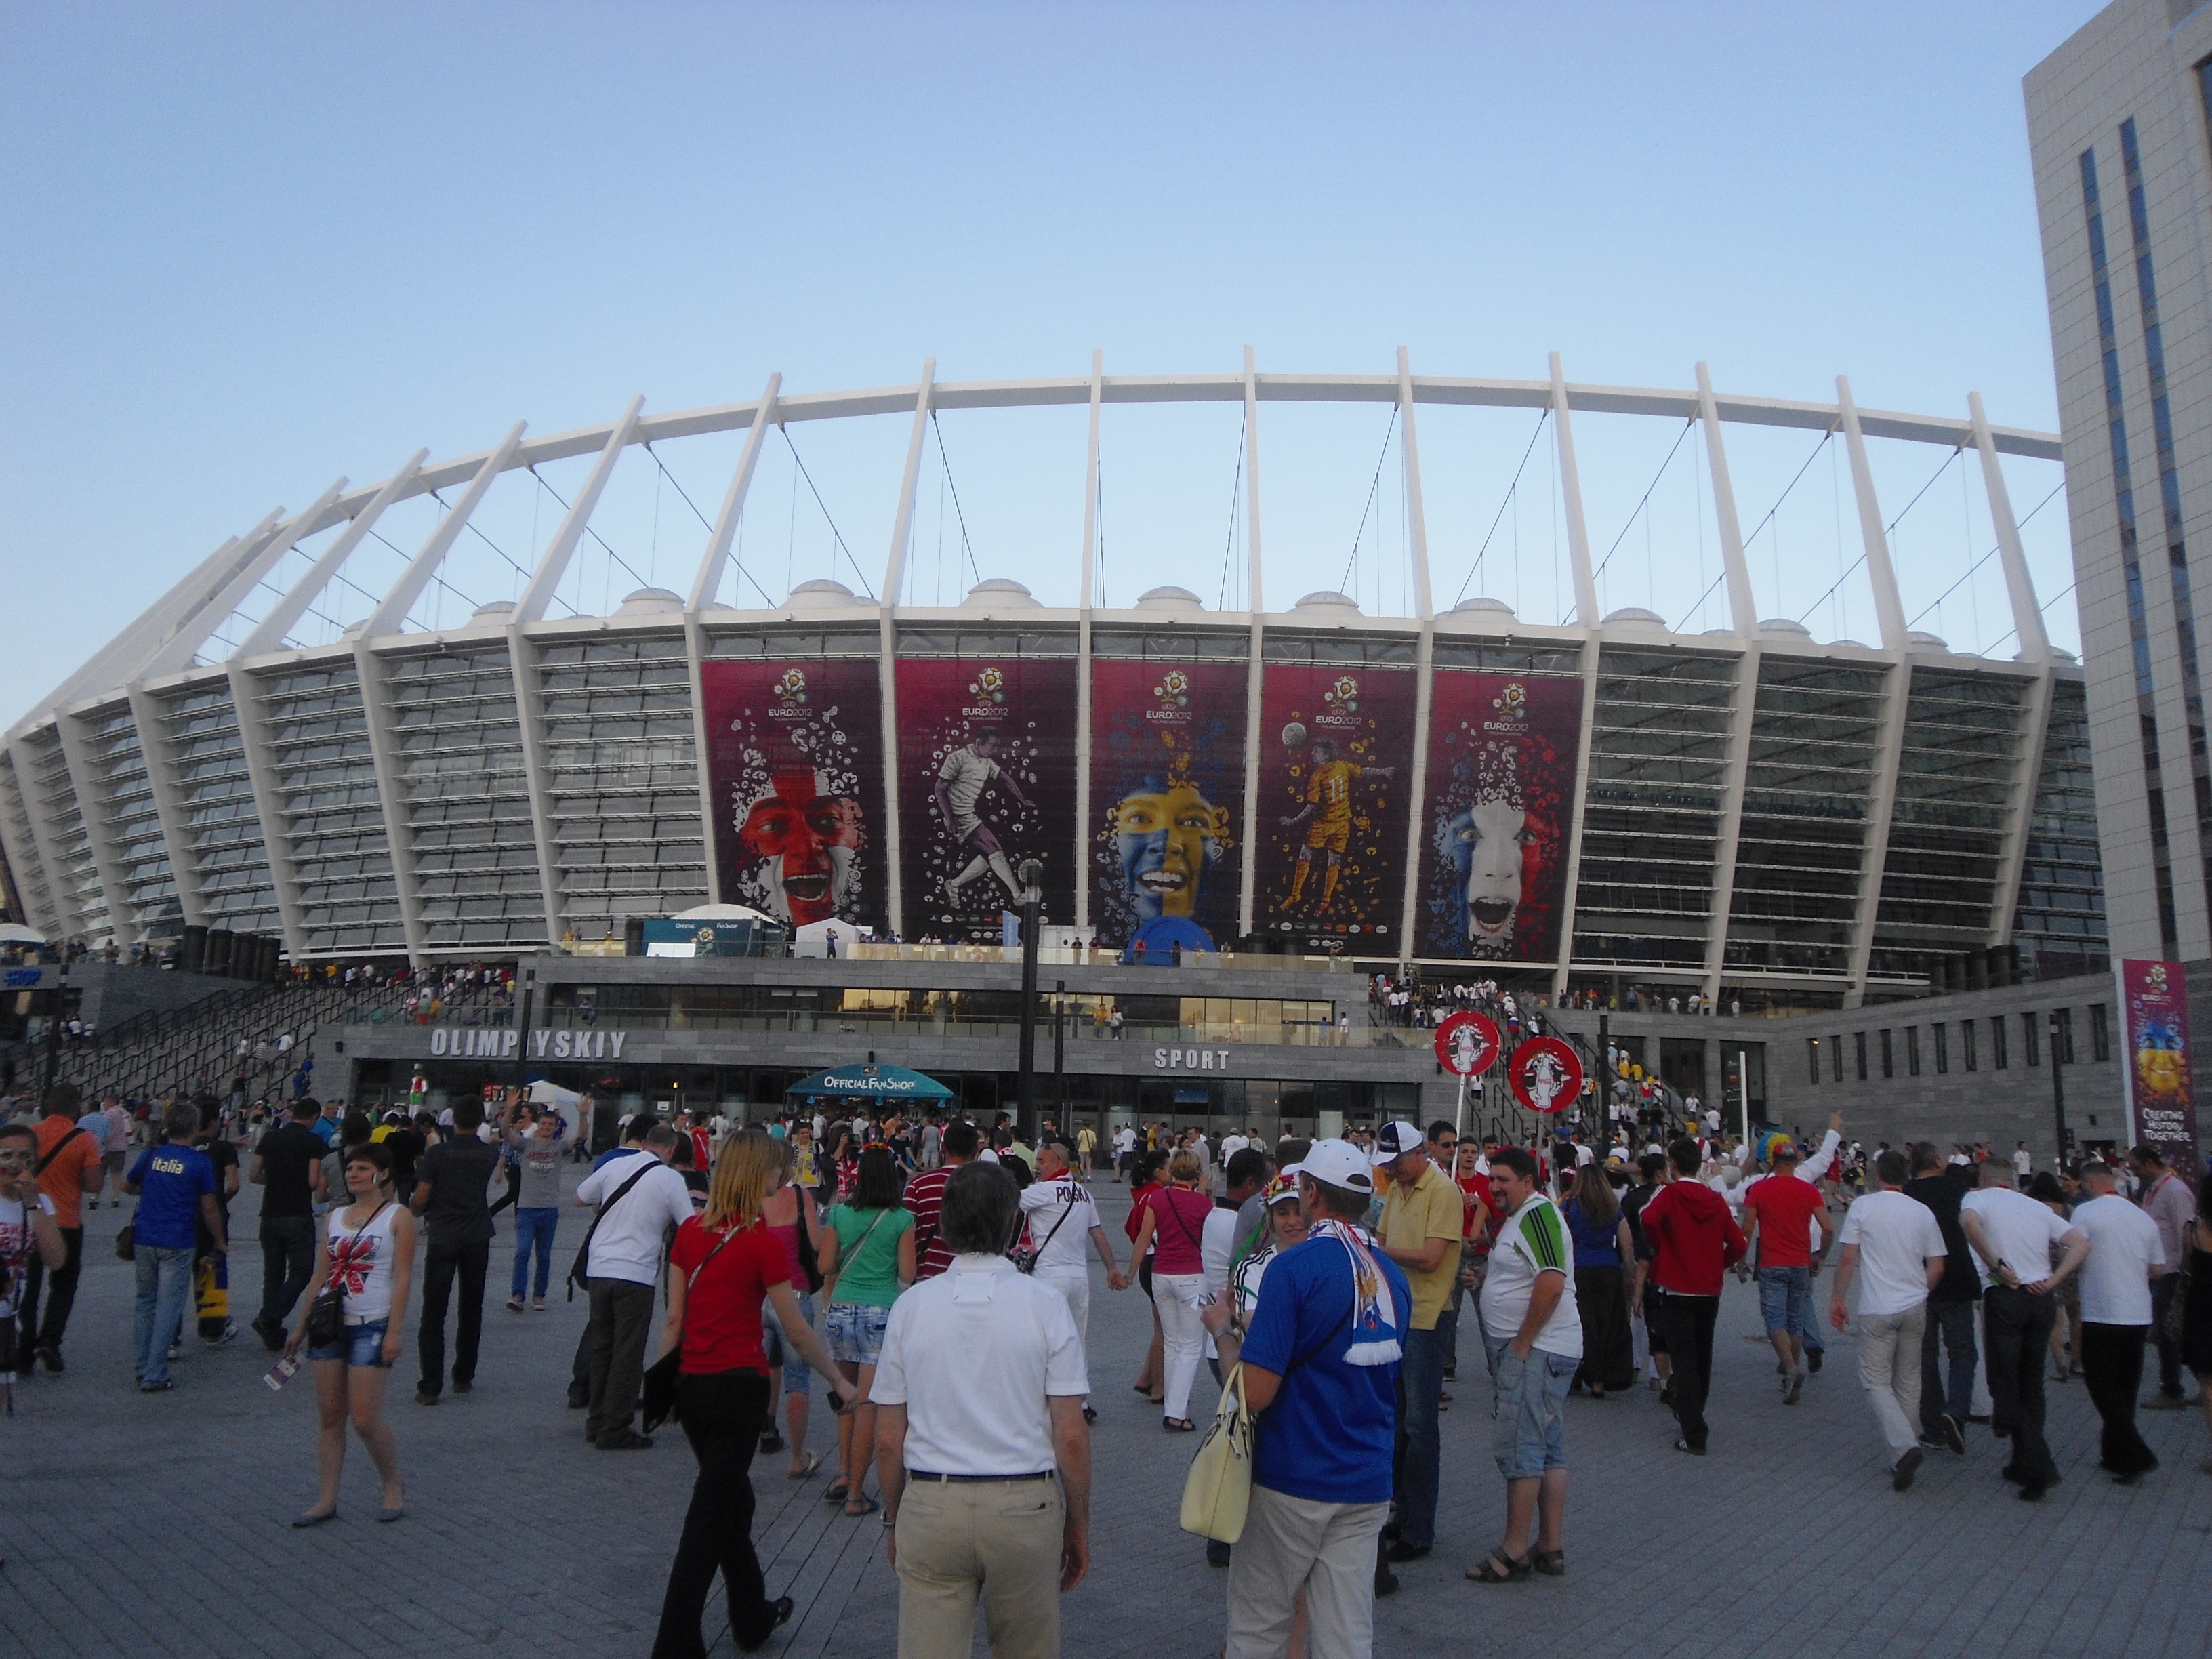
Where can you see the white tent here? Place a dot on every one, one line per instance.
(723, 913)
(14, 933)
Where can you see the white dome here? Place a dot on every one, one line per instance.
(1000, 593)
(1483, 607)
(1784, 628)
(1933, 642)
(1327, 600)
(650, 601)
(1636, 617)
(821, 594)
(497, 610)
(1170, 599)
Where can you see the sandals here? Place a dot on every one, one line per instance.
(1552, 1564)
(1499, 1568)
(838, 1490)
(805, 1471)
(866, 1505)
(1178, 1425)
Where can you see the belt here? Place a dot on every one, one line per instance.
(367, 1318)
(976, 1480)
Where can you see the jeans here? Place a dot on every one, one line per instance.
(2018, 1328)
(2169, 1351)
(1447, 1327)
(1414, 1471)
(471, 1262)
(2112, 1366)
(61, 1294)
(287, 1263)
(1688, 1322)
(721, 1416)
(165, 1289)
(534, 1229)
(1946, 1393)
(1889, 1370)
(1785, 1295)
(1182, 1337)
(1528, 1432)
(621, 1312)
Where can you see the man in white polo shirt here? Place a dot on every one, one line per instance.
(1063, 1229)
(645, 1202)
(2126, 1258)
(1895, 1245)
(2014, 1238)
(980, 1444)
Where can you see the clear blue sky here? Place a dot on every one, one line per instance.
(253, 247)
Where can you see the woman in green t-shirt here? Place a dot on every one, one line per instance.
(871, 1254)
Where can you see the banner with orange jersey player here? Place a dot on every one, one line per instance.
(1336, 773)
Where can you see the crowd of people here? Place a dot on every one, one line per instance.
(935, 1274)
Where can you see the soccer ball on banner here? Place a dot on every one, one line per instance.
(1294, 736)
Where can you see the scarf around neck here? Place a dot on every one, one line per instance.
(1374, 1310)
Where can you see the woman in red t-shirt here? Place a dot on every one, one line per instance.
(724, 1264)
(1144, 1178)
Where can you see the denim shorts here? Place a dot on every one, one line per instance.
(1528, 1434)
(797, 1373)
(361, 1344)
(1785, 1299)
(855, 1333)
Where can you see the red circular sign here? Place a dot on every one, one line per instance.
(1547, 1074)
(1467, 1043)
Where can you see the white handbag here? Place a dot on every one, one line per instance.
(1217, 1493)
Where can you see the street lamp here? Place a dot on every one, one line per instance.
(1031, 876)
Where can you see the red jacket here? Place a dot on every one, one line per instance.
(1694, 1239)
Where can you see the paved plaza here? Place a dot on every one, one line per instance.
(157, 1526)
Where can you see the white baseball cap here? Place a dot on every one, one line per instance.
(1339, 1164)
(1396, 1138)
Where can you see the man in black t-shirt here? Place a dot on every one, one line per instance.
(449, 1196)
(1946, 1393)
(287, 1167)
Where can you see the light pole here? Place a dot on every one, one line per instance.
(2058, 1084)
(1060, 1055)
(1031, 876)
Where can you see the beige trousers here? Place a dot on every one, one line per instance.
(1295, 1543)
(999, 1539)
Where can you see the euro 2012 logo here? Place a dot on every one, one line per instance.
(792, 688)
(1512, 702)
(1173, 689)
(989, 683)
(1344, 695)
(2155, 979)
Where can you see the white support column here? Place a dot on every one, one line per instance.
(1590, 668)
(170, 810)
(399, 599)
(384, 755)
(1570, 493)
(264, 779)
(704, 586)
(85, 783)
(1743, 614)
(23, 859)
(2020, 803)
(887, 657)
(2019, 587)
(269, 635)
(529, 708)
(1897, 692)
(1888, 607)
(1424, 651)
(1081, 850)
(708, 581)
(68, 917)
(1255, 665)
(553, 563)
(177, 651)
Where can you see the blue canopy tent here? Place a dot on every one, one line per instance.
(871, 1081)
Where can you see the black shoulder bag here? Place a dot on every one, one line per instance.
(580, 1270)
(325, 1325)
(1026, 1261)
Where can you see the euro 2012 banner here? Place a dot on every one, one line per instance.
(1498, 809)
(2161, 1092)
(1167, 804)
(986, 780)
(793, 764)
(1335, 776)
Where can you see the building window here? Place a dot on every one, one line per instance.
(1967, 1044)
(2100, 1033)
(1997, 1057)
(1812, 1060)
(1858, 1041)
(1942, 1048)
(1913, 1051)
(1836, 1058)
(2030, 1052)
(2061, 1037)
(1888, 1057)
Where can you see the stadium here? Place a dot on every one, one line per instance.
(311, 739)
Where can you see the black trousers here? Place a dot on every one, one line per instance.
(60, 1289)
(2018, 1328)
(287, 1264)
(2169, 1351)
(621, 1313)
(721, 1416)
(439, 1268)
(2112, 1366)
(1688, 1322)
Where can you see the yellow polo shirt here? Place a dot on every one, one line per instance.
(1430, 1208)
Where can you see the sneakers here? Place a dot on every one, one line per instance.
(1900, 1478)
(1954, 1436)
(270, 1333)
(50, 1355)
(515, 1304)
(623, 1439)
(227, 1333)
(163, 1386)
(426, 1396)
(1793, 1388)
(1813, 1357)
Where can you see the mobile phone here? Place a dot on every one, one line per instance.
(282, 1372)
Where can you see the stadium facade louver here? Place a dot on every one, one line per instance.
(1800, 822)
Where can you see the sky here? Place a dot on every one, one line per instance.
(252, 248)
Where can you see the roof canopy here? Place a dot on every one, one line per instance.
(882, 1082)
